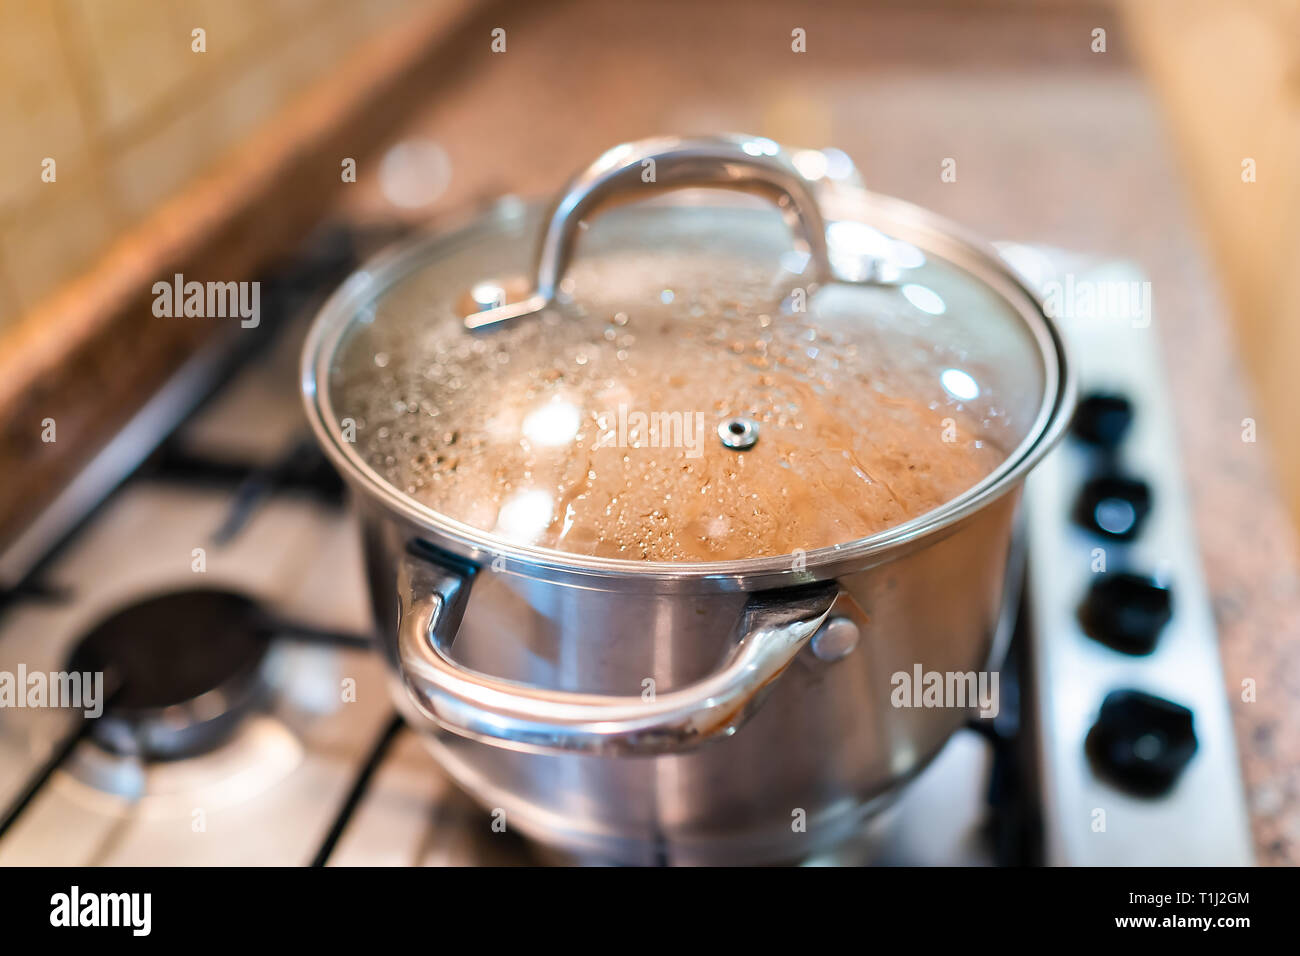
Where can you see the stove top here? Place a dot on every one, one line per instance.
(245, 720)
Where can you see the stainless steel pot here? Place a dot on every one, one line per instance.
(707, 712)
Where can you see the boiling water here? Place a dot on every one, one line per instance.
(593, 428)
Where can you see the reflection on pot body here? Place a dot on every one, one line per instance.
(826, 740)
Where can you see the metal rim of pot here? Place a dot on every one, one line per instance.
(932, 233)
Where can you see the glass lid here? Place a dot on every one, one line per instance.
(686, 381)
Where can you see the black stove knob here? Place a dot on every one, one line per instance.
(1102, 419)
(1140, 742)
(1113, 506)
(1126, 612)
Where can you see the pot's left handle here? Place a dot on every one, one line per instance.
(773, 629)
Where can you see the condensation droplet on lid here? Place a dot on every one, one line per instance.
(925, 299)
(959, 384)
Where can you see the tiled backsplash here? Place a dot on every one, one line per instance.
(114, 92)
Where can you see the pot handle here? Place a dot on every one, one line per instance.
(745, 163)
(774, 627)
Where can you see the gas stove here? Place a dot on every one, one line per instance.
(207, 565)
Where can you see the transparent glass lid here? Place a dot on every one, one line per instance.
(688, 394)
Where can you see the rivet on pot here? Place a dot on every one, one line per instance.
(739, 434)
(835, 639)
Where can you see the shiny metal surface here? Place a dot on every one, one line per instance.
(562, 642)
(633, 170)
(738, 433)
(835, 639)
(773, 630)
(823, 751)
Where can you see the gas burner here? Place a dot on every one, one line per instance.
(181, 670)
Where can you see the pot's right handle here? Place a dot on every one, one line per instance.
(774, 628)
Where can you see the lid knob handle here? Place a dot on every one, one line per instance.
(745, 163)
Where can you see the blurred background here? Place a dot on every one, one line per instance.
(210, 137)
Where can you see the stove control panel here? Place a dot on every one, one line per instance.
(1130, 716)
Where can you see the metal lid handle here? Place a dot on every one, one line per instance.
(745, 163)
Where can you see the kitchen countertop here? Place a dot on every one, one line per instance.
(1052, 144)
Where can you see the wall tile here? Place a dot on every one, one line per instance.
(51, 240)
(303, 53)
(138, 54)
(39, 114)
(112, 90)
(9, 310)
(150, 170)
(233, 26)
